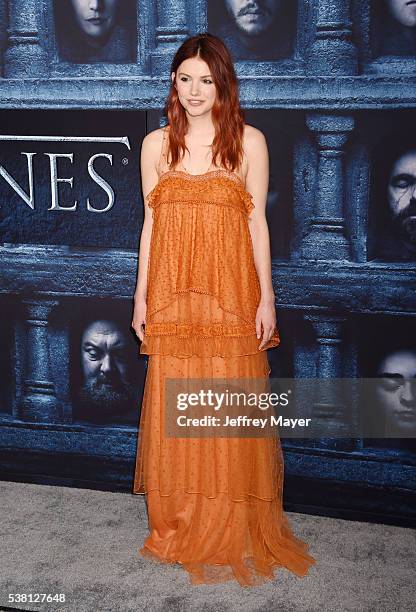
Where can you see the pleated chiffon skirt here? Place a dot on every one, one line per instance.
(215, 504)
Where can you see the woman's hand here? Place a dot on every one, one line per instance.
(266, 320)
(139, 317)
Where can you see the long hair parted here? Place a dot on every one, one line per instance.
(227, 115)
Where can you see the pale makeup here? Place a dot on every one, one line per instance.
(253, 17)
(404, 11)
(95, 18)
(396, 391)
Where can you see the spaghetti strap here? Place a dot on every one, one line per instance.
(161, 168)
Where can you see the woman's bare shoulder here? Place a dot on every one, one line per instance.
(254, 144)
(252, 135)
(151, 147)
(153, 138)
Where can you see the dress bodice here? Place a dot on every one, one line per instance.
(221, 187)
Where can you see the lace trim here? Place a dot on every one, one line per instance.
(205, 175)
(186, 330)
(210, 346)
(221, 172)
(210, 202)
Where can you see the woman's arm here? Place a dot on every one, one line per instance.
(149, 177)
(257, 183)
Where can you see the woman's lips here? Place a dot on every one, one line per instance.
(97, 20)
(195, 102)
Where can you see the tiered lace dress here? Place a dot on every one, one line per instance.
(214, 503)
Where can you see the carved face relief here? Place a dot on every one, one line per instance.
(253, 17)
(103, 355)
(402, 194)
(404, 11)
(396, 391)
(95, 18)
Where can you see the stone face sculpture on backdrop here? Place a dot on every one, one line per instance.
(393, 204)
(388, 391)
(396, 392)
(402, 199)
(397, 27)
(108, 386)
(254, 29)
(404, 11)
(90, 31)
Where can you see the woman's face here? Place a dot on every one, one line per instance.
(95, 18)
(195, 86)
(404, 11)
(396, 392)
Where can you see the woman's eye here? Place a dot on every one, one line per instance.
(390, 384)
(207, 81)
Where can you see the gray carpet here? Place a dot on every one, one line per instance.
(84, 543)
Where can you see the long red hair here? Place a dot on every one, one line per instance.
(227, 115)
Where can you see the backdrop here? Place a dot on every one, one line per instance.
(331, 83)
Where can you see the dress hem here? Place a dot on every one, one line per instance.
(257, 578)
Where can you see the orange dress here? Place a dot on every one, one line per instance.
(214, 503)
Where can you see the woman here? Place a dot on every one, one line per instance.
(205, 297)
